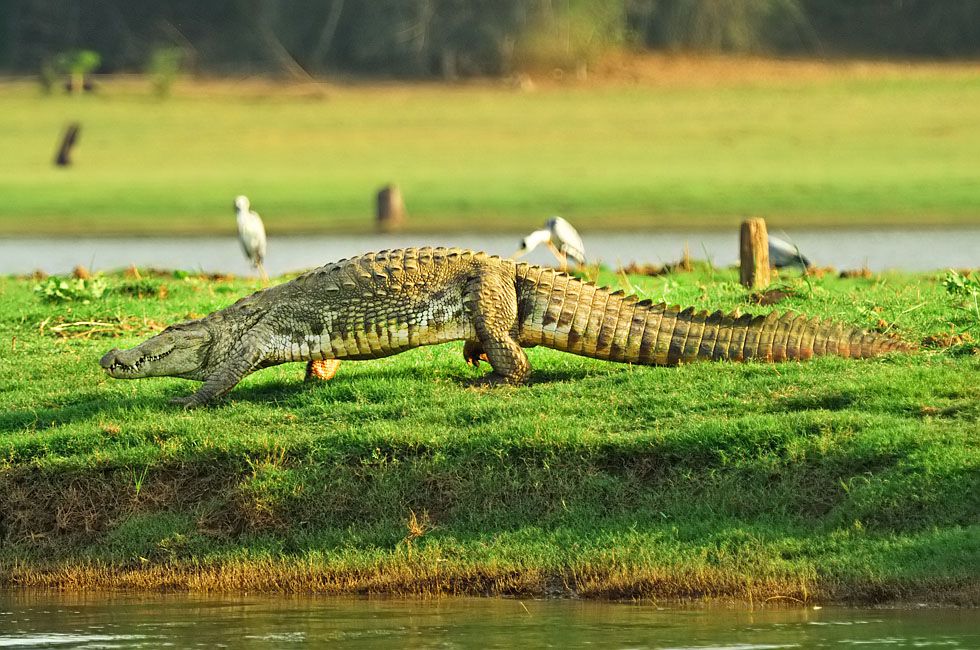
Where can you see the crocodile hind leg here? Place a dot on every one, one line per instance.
(491, 302)
(322, 369)
(473, 352)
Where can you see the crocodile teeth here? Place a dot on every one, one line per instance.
(125, 367)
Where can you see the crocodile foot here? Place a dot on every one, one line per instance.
(322, 369)
(491, 380)
(189, 402)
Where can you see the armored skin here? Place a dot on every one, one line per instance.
(379, 304)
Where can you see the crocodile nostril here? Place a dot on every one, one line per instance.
(109, 358)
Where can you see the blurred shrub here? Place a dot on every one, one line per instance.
(569, 35)
(964, 288)
(59, 289)
(164, 69)
(77, 64)
(48, 76)
(74, 63)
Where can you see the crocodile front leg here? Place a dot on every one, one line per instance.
(223, 380)
(240, 362)
(491, 303)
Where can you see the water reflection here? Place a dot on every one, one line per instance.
(922, 250)
(152, 621)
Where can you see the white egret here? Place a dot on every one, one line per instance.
(562, 239)
(251, 234)
(783, 254)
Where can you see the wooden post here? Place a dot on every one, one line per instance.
(754, 254)
(67, 142)
(391, 208)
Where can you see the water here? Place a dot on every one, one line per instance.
(52, 620)
(921, 250)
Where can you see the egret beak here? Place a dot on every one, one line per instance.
(522, 250)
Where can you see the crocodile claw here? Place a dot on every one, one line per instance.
(189, 402)
(473, 353)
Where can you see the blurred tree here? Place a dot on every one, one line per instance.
(164, 68)
(429, 37)
(325, 35)
(267, 18)
(910, 27)
(466, 37)
(7, 34)
(722, 25)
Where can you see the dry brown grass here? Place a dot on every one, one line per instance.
(689, 70)
(417, 526)
(111, 326)
(407, 575)
(57, 507)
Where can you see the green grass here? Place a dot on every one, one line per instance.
(837, 147)
(834, 480)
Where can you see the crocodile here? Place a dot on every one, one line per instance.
(379, 304)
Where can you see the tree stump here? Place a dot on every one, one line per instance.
(754, 254)
(391, 209)
(67, 142)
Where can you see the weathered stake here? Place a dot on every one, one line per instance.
(391, 209)
(67, 142)
(754, 254)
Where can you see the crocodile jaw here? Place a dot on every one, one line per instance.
(175, 352)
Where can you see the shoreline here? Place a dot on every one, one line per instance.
(729, 224)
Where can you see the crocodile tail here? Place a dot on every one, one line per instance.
(591, 321)
(667, 335)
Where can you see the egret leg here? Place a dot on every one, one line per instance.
(561, 257)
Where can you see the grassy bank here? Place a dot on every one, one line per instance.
(654, 143)
(847, 481)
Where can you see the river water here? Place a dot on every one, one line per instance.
(114, 620)
(913, 250)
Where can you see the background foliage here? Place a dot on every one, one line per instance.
(466, 37)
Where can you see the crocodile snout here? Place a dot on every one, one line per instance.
(109, 358)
